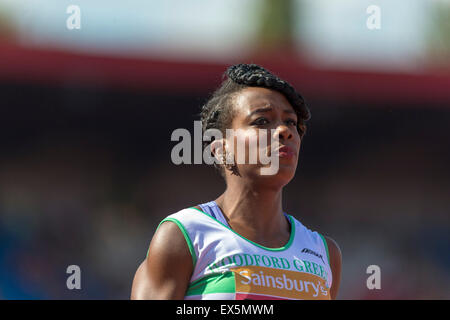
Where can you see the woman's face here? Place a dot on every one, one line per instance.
(265, 116)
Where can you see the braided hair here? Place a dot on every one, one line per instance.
(218, 111)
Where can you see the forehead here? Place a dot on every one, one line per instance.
(253, 98)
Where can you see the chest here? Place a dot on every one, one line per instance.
(298, 270)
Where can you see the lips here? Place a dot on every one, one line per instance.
(286, 151)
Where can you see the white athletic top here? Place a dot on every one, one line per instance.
(228, 266)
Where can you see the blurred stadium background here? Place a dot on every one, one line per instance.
(86, 117)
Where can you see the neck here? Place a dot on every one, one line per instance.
(254, 210)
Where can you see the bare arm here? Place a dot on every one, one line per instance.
(166, 271)
(335, 264)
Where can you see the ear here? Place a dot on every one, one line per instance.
(218, 149)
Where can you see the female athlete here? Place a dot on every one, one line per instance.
(242, 245)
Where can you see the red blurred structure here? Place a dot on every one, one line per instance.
(54, 67)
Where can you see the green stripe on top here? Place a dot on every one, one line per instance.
(213, 283)
(326, 247)
(186, 237)
(285, 247)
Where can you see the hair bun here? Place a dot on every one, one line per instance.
(245, 73)
(255, 75)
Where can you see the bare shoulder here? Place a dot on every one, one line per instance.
(333, 248)
(166, 271)
(335, 254)
(169, 239)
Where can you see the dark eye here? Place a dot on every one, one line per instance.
(291, 122)
(260, 121)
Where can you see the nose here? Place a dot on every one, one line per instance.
(283, 132)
